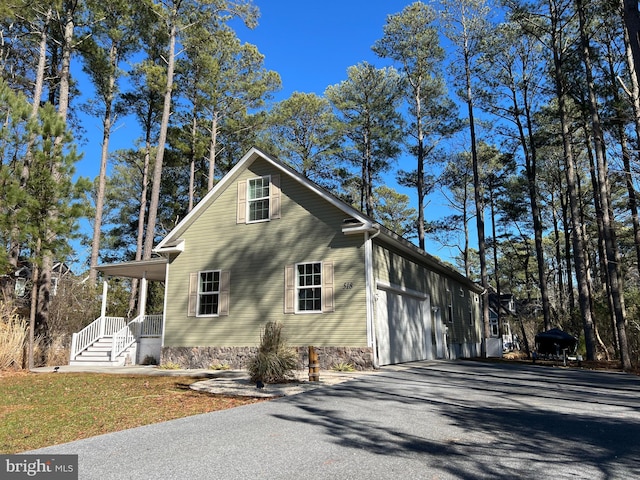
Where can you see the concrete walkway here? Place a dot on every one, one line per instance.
(129, 370)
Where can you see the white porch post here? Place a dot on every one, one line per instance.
(142, 300)
(103, 308)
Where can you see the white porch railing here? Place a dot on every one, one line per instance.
(152, 326)
(100, 327)
(147, 326)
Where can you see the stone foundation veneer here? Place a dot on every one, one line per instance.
(237, 357)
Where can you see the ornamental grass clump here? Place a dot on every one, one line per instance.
(13, 337)
(343, 367)
(275, 361)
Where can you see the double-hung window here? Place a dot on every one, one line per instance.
(258, 199)
(309, 287)
(208, 293)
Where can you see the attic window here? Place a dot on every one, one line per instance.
(258, 199)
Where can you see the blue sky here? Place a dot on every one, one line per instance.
(311, 44)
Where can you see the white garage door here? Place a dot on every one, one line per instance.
(403, 327)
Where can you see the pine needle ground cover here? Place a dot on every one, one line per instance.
(39, 410)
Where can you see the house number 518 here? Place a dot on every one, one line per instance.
(347, 286)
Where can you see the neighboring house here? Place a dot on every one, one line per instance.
(22, 277)
(499, 327)
(267, 244)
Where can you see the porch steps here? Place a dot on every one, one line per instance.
(99, 355)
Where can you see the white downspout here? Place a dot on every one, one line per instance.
(370, 293)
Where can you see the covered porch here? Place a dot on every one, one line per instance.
(110, 340)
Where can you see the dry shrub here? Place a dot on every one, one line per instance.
(57, 352)
(13, 336)
(275, 361)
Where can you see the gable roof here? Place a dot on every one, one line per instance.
(172, 240)
(355, 223)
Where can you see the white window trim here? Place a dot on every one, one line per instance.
(249, 200)
(298, 287)
(199, 294)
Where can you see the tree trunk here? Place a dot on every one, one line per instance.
(157, 167)
(566, 226)
(495, 258)
(570, 177)
(612, 253)
(604, 283)
(44, 290)
(192, 162)
(631, 18)
(634, 95)
(212, 150)
(530, 156)
(366, 177)
(484, 276)
(32, 311)
(559, 262)
(420, 168)
(133, 298)
(465, 223)
(15, 246)
(104, 156)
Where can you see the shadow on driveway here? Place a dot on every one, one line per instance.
(478, 420)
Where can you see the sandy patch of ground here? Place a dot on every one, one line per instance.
(237, 383)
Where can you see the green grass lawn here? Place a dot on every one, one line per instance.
(39, 410)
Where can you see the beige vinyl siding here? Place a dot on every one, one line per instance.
(392, 267)
(255, 255)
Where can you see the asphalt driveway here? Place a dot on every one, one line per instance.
(431, 420)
